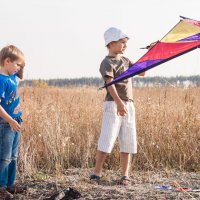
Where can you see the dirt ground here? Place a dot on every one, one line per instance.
(151, 185)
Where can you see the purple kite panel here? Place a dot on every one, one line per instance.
(136, 69)
(192, 38)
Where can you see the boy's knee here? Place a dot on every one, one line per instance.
(5, 161)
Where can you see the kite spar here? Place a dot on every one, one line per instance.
(182, 38)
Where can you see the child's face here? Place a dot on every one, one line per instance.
(14, 66)
(119, 47)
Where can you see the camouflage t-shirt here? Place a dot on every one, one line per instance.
(113, 67)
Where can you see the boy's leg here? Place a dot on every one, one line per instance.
(3, 173)
(111, 123)
(128, 142)
(125, 163)
(100, 158)
(6, 142)
(12, 173)
(4, 194)
(13, 164)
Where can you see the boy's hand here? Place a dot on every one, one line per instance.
(14, 125)
(121, 109)
(141, 74)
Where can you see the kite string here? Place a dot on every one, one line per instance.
(197, 66)
(168, 82)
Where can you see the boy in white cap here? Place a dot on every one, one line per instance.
(119, 112)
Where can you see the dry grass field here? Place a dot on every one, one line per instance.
(61, 128)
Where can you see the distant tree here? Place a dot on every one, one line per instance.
(156, 81)
(39, 83)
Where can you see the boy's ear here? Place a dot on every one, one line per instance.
(7, 60)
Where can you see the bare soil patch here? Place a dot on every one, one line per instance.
(143, 185)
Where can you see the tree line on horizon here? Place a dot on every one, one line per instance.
(157, 81)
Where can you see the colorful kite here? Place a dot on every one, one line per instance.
(182, 38)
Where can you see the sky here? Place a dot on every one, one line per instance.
(64, 38)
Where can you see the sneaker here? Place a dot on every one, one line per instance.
(95, 178)
(4, 194)
(16, 189)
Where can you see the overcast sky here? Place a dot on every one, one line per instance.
(64, 38)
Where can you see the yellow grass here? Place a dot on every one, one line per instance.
(61, 128)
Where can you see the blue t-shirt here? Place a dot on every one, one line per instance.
(9, 97)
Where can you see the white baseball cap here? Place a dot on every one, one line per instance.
(113, 34)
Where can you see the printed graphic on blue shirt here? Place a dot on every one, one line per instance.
(9, 97)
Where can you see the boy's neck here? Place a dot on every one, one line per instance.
(111, 54)
(3, 71)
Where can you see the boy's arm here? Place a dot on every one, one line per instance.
(121, 108)
(13, 124)
(20, 73)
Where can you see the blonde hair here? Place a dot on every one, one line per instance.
(11, 52)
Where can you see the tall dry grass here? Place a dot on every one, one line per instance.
(61, 128)
(168, 121)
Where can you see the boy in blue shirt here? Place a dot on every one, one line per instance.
(11, 70)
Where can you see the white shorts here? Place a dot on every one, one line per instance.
(114, 126)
